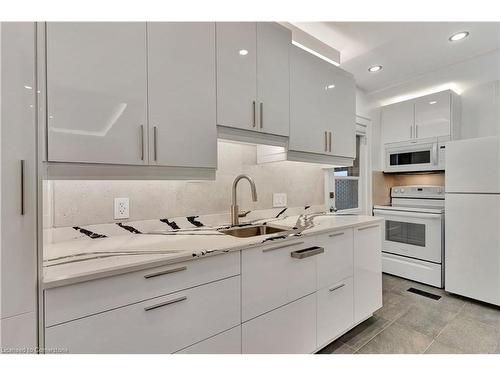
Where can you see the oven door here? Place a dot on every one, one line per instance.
(412, 234)
(411, 157)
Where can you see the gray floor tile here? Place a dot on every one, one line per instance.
(391, 311)
(337, 347)
(397, 339)
(439, 348)
(361, 334)
(484, 313)
(426, 319)
(470, 336)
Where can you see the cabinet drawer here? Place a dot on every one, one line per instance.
(160, 325)
(271, 277)
(291, 329)
(228, 342)
(335, 310)
(72, 302)
(336, 263)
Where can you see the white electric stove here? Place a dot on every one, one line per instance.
(413, 245)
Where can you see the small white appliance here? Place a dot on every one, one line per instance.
(417, 155)
(473, 219)
(413, 245)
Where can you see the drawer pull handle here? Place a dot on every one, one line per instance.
(306, 253)
(336, 234)
(368, 227)
(166, 272)
(281, 247)
(336, 287)
(180, 299)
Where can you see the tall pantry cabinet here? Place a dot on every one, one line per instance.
(18, 188)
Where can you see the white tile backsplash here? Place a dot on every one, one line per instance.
(73, 203)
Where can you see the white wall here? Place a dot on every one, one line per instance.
(91, 202)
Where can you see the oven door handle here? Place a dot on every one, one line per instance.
(420, 215)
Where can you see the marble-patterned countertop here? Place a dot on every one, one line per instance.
(81, 260)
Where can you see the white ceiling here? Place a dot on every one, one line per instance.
(410, 52)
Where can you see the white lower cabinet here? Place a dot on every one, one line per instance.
(335, 311)
(227, 342)
(271, 277)
(160, 325)
(291, 329)
(367, 271)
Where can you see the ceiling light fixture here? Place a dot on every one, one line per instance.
(432, 102)
(458, 36)
(243, 52)
(375, 68)
(329, 87)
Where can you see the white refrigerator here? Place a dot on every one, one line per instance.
(472, 225)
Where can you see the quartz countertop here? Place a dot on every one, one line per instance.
(81, 260)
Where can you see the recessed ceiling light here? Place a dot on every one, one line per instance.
(329, 87)
(375, 68)
(432, 102)
(458, 36)
(243, 52)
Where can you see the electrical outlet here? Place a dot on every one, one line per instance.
(122, 208)
(279, 200)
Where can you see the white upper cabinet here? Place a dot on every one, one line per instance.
(237, 75)
(322, 107)
(96, 92)
(308, 112)
(435, 115)
(253, 76)
(273, 78)
(397, 122)
(182, 94)
(432, 115)
(340, 94)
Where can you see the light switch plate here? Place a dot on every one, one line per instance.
(279, 200)
(122, 208)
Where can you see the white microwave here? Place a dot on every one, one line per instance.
(417, 155)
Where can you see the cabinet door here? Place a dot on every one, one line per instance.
(273, 78)
(336, 263)
(432, 115)
(181, 87)
(335, 310)
(237, 74)
(367, 271)
(291, 329)
(340, 94)
(272, 278)
(96, 92)
(18, 174)
(308, 105)
(398, 122)
(161, 325)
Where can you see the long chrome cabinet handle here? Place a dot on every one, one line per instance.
(306, 253)
(23, 168)
(336, 287)
(330, 141)
(155, 141)
(281, 247)
(162, 304)
(166, 272)
(368, 227)
(411, 131)
(416, 130)
(336, 234)
(254, 114)
(142, 142)
(261, 115)
(326, 142)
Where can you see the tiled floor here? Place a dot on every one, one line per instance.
(410, 323)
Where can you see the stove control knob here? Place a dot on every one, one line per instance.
(396, 190)
(402, 190)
